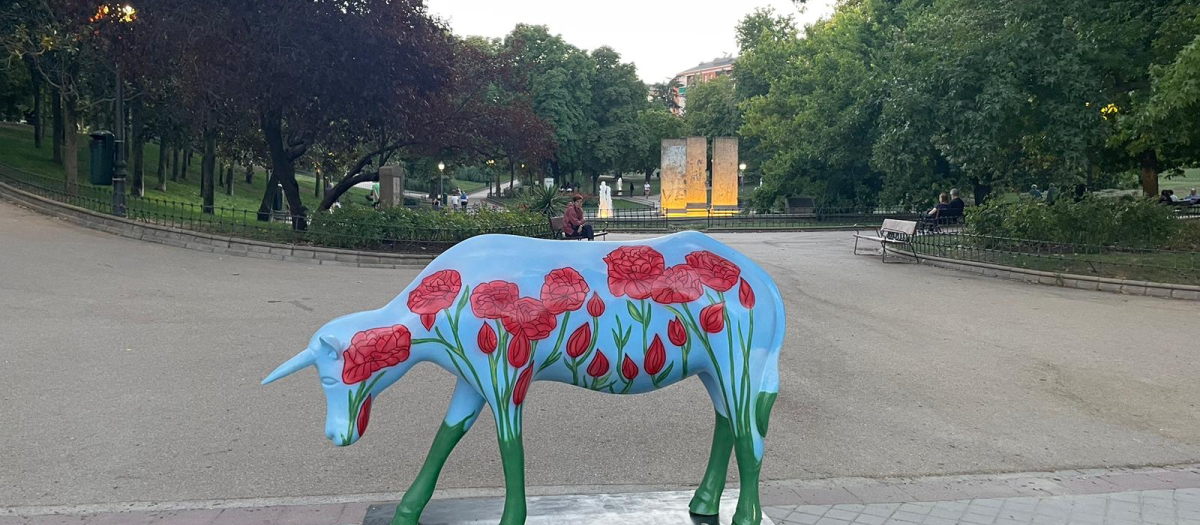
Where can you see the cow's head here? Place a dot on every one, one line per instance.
(355, 360)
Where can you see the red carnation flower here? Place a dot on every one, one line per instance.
(579, 341)
(596, 306)
(364, 416)
(371, 350)
(656, 357)
(518, 351)
(436, 292)
(486, 339)
(676, 332)
(529, 317)
(632, 270)
(715, 271)
(629, 369)
(712, 318)
(746, 295)
(489, 300)
(599, 365)
(678, 284)
(522, 386)
(564, 290)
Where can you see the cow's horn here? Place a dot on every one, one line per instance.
(301, 361)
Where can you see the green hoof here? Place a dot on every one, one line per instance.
(702, 506)
(740, 518)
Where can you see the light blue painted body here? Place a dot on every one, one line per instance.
(729, 373)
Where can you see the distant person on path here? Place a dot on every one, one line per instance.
(956, 203)
(1034, 192)
(574, 223)
(943, 205)
(646, 189)
(374, 195)
(1051, 194)
(464, 201)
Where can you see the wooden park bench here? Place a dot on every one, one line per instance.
(892, 232)
(556, 224)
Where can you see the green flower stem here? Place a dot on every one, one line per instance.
(562, 332)
(690, 322)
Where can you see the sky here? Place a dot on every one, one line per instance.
(661, 38)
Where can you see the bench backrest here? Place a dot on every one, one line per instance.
(899, 226)
(556, 224)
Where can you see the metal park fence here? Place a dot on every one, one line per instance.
(1117, 262)
(624, 220)
(339, 230)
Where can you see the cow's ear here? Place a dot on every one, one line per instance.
(331, 346)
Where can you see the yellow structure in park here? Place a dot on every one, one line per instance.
(684, 190)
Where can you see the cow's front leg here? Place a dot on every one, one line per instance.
(512, 456)
(464, 410)
(707, 500)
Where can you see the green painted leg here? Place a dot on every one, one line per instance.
(763, 410)
(512, 456)
(707, 500)
(421, 490)
(749, 511)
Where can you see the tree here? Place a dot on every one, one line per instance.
(287, 71)
(657, 124)
(665, 95)
(713, 109)
(617, 97)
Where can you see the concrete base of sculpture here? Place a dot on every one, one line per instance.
(648, 508)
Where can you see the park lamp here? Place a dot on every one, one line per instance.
(742, 166)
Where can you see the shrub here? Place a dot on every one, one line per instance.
(395, 228)
(1094, 220)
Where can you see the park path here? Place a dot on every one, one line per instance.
(131, 374)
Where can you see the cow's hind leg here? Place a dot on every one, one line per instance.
(464, 410)
(707, 500)
(512, 457)
(749, 423)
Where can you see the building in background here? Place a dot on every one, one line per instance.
(703, 72)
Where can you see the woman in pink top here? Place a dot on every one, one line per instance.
(574, 223)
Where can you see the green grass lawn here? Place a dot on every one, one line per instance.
(16, 150)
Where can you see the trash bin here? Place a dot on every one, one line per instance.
(103, 155)
(277, 199)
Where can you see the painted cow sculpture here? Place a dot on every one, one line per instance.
(500, 312)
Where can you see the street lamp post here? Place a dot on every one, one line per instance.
(118, 180)
(741, 176)
(441, 175)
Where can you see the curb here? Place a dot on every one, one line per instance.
(1063, 280)
(349, 509)
(210, 243)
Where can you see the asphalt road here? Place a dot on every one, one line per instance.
(130, 372)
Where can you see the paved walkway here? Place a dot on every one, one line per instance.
(131, 372)
(1152, 496)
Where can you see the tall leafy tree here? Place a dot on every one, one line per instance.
(617, 96)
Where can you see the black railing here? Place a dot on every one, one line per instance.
(329, 230)
(817, 218)
(1116, 262)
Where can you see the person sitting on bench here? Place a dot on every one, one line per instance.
(574, 223)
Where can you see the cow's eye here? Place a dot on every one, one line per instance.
(329, 381)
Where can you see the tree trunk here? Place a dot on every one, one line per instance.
(220, 175)
(56, 123)
(35, 81)
(70, 157)
(1149, 160)
(512, 176)
(229, 180)
(162, 165)
(208, 165)
(187, 160)
(137, 187)
(249, 174)
(174, 164)
(264, 209)
(649, 173)
(317, 186)
(596, 183)
(284, 167)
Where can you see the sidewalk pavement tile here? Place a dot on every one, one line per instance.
(260, 516)
(188, 517)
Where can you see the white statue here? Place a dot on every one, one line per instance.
(620, 184)
(606, 207)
